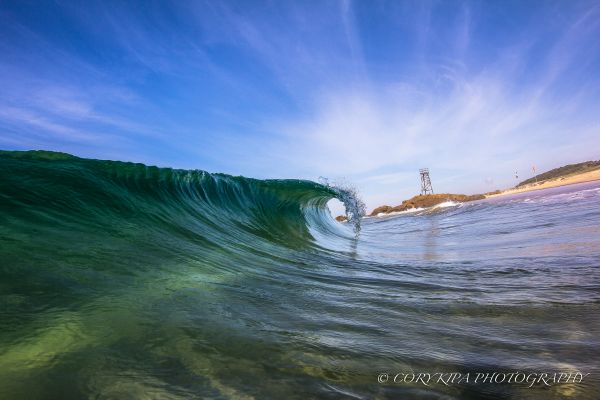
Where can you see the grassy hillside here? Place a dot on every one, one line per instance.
(563, 171)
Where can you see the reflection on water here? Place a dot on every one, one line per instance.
(430, 240)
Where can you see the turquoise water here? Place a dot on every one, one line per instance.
(122, 281)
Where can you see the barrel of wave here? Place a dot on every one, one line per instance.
(348, 195)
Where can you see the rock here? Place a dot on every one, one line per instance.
(424, 201)
(381, 209)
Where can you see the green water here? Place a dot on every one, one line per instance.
(122, 281)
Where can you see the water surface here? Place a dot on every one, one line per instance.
(123, 281)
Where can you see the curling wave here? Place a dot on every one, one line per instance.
(203, 209)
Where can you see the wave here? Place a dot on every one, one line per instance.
(446, 204)
(207, 209)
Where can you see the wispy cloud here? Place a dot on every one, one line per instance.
(487, 124)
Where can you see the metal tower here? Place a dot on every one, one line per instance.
(426, 187)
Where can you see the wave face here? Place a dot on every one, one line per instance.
(119, 280)
(196, 207)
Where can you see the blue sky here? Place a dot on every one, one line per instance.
(366, 91)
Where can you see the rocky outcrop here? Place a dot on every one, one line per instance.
(382, 209)
(424, 201)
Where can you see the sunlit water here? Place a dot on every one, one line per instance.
(119, 281)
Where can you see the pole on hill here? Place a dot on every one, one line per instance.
(426, 187)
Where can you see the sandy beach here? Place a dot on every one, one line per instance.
(562, 181)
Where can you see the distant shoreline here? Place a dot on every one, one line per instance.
(588, 171)
(588, 176)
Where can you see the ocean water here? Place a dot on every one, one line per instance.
(121, 281)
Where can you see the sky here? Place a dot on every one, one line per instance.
(364, 92)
